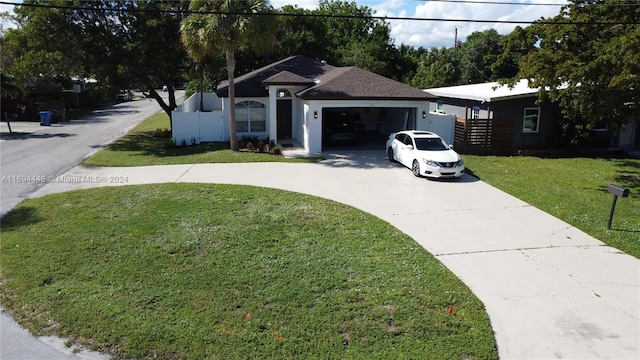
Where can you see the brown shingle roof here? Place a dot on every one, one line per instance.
(335, 83)
(287, 78)
(250, 84)
(355, 83)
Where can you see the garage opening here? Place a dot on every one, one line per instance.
(363, 128)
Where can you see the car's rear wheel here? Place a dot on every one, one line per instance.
(415, 168)
(390, 155)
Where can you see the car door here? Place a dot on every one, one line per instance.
(404, 151)
(409, 149)
(396, 145)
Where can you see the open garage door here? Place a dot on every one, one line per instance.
(363, 128)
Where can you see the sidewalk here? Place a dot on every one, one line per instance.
(551, 291)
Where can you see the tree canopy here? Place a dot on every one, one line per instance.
(586, 60)
(122, 44)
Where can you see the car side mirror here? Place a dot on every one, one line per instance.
(450, 146)
(410, 147)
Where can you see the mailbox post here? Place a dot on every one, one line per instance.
(616, 191)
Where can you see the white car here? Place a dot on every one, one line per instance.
(425, 153)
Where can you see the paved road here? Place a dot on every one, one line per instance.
(28, 161)
(551, 291)
(41, 153)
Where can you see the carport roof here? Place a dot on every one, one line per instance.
(325, 82)
(485, 92)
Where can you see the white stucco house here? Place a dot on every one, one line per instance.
(299, 101)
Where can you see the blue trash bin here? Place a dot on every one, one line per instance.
(45, 118)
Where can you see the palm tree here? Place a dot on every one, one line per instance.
(190, 34)
(224, 25)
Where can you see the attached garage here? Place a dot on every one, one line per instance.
(362, 128)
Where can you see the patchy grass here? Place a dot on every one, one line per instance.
(195, 271)
(574, 190)
(149, 143)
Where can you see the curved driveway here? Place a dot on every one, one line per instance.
(551, 291)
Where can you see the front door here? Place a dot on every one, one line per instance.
(284, 114)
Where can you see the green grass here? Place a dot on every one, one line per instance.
(573, 190)
(148, 144)
(196, 271)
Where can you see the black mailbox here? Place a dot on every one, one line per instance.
(617, 190)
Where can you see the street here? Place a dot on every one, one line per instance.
(39, 154)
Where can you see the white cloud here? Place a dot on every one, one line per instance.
(303, 4)
(442, 33)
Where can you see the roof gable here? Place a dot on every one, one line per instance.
(251, 84)
(287, 78)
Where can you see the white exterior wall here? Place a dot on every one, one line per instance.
(272, 113)
(441, 124)
(458, 111)
(210, 102)
(313, 127)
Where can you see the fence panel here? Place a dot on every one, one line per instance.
(482, 136)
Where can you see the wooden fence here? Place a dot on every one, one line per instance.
(482, 136)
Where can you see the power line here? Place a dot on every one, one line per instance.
(489, 2)
(333, 16)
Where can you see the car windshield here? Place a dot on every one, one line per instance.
(431, 144)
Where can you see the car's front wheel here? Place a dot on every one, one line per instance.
(415, 168)
(390, 155)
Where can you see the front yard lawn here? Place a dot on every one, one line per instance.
(195, 271)
(149, 144)
(573, 190)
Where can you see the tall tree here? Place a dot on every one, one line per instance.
(436, 68)
(478, 52)
(226, 25)
(122, 44)
(586, 60)
(355, 38)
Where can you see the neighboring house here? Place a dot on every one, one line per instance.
(302, 101)
(492, 118)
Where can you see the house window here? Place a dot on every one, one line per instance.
(475, 114)
(531, 120)
(283, 93)
(251, 116)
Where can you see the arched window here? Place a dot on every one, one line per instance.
(251, 116)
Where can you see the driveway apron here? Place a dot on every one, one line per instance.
(551, 291)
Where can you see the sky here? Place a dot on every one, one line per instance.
(429, 34)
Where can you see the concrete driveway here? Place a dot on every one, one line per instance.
(551, 291)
